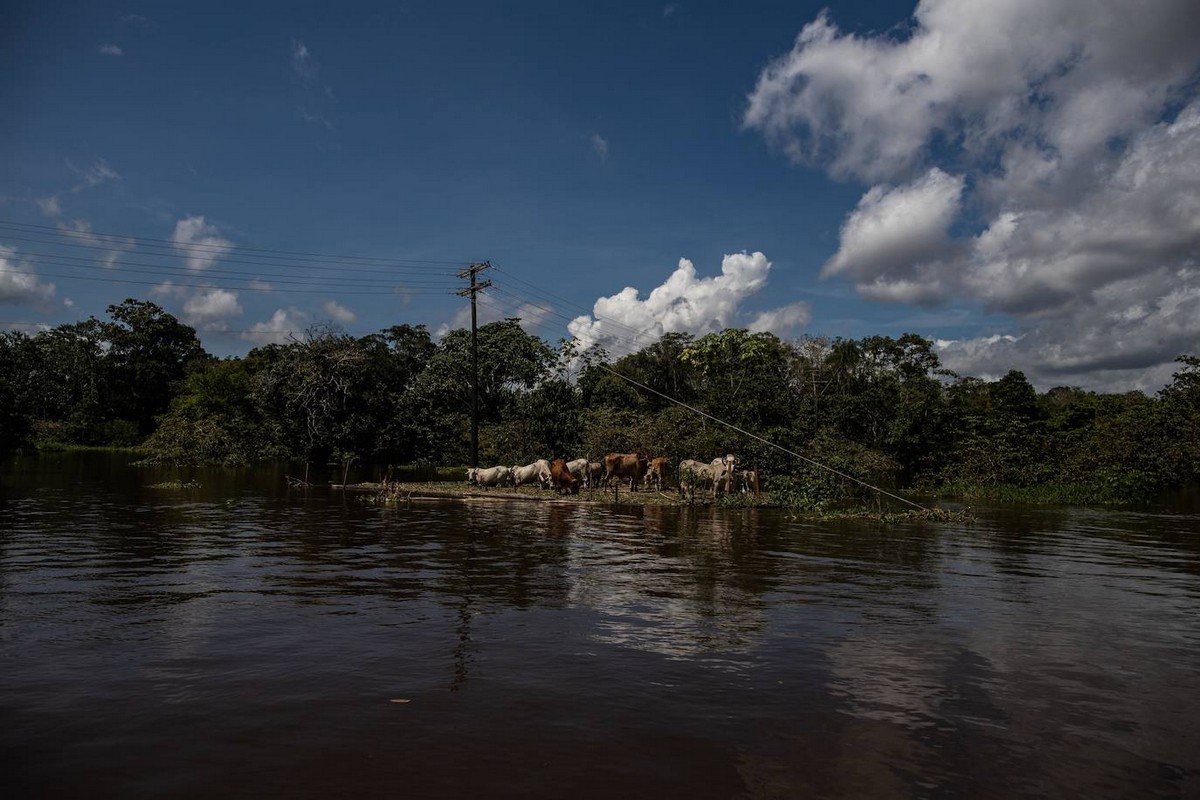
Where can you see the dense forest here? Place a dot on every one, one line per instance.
(879, 408)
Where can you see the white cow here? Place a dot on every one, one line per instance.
(698, 475)
(537, 471)
(721, 469)
(492, 476)
(578, 468)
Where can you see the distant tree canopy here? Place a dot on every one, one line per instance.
(879, 408)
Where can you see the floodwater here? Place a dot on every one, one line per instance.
(243, 639)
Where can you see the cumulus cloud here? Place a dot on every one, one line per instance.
(684, 302)
(284, 325)
(111, 50)
(600, 147)
(19, 284)
(896, 242)
(212, 308)
(784, 321)
(199, 242)
(207, 306)
(1040, 159)
(338, 313)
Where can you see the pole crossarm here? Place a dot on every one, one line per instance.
(472, 289)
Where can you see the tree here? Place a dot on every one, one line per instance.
(309, 389)
(511, 362)
(16, 367)
(149, 353)
(665, 368)
(384, 405)
(1184, 389)
(743, 376)
(70, 382)
(215, 419)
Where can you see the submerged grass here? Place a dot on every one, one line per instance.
(176, 485)
(395, 493)
(63, 447)
(1065, 494)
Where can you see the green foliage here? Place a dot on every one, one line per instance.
(69, 382)
(149, 353)
(215, 419)
(16, 369)
(879, 409)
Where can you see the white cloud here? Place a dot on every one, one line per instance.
(284, 324)
(684, 302)
(1041, 159)
(211, 308)
(1073, 73)
(200, 242)
(19, 285)
(784, 321)
(261, 286)
(600, 146)
(898, 234)
(338, 313)
(111, 50)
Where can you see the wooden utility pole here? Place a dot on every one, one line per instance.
(472, 290)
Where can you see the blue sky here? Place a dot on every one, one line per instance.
(873, 168)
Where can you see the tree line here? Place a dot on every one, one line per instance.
(879, 408)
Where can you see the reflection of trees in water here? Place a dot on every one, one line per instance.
(678, 582)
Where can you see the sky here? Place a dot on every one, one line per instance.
(1017, 180)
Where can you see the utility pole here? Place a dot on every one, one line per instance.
(472, 290)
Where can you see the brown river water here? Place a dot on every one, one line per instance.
(243, 639)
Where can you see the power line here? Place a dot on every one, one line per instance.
(221, 255)
(268, 253)
(168, 271)
(399, 289)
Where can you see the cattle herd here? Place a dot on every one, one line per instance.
(566, 477)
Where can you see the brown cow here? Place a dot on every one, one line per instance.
(657, 474)
(626, 465)
(561, 478)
